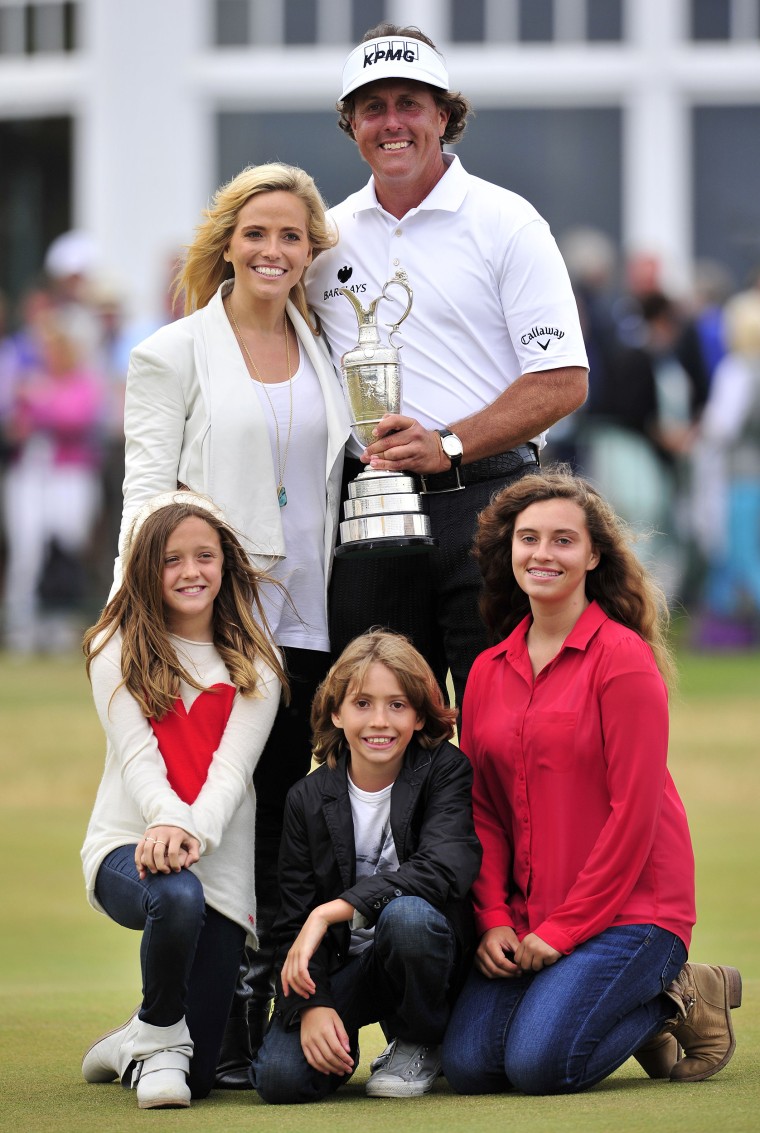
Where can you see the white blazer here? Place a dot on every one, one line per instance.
(187, 421)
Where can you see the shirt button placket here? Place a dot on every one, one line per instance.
(396, 261)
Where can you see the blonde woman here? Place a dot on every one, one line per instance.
(239, 400)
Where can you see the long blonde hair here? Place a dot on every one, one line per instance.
(150, 668)
(621, 585)
(410, 669)
(205, 268)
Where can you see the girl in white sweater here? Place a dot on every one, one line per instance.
(186, 685)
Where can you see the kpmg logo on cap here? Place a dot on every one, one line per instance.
(406, 50)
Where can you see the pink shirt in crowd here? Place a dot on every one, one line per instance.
(581, 825)
(67, 409)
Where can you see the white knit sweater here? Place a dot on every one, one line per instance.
(134, 792)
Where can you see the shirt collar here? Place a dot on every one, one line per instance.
(447, 195)
(578, 638)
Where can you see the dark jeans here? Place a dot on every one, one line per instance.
(189, 954)
(404, 978)
(432, 598)
(286, 758)
(568, 1026)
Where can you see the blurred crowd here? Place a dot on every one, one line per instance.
(64, 353)
(670, 432)
(671, 427)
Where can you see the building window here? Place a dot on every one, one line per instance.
(258, 23)
(241, 23)
(232, 25)
(37, 29)
(365, 14)
(726, 160)
(468, 22)
(710, 19)
(721, 20)
(35, 195)
(604, 21)
(301, 21)
(536, 21)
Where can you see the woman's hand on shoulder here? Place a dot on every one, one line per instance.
(532, 954)
(166, 849)
(495, 955)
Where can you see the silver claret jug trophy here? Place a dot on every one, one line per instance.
(383, 512)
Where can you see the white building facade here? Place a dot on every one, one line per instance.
(639, 116)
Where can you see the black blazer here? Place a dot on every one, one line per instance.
(436, 844)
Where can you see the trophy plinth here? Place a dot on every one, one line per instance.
(384, 511)
(383, 514)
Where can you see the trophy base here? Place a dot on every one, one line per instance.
(384, 515)
(401, 544)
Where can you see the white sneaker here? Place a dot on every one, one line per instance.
(160, 1056)
(408, 1072)
(162, 1081)
(163, 1058)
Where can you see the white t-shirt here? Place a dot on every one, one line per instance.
(492, 297)
(375, 848)
(303, 517)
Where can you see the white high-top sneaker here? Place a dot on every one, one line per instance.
(162, 1056)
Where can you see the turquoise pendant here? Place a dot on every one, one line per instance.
(282, 496)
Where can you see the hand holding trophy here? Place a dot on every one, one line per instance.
(384, 511)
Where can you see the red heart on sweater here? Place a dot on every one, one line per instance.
(187, 740)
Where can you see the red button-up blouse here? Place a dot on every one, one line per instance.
(581, 825)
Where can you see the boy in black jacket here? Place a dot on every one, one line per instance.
(378, 854)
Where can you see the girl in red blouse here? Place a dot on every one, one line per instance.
(585, 898)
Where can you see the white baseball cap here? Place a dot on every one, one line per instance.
(71, 253)
(393, 57)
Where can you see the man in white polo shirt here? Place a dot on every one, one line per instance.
(492, 349)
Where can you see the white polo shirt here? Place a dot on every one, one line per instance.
(492, 297)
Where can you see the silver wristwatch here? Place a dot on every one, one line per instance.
(452, 446)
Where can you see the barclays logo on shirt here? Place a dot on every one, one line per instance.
(357, 288)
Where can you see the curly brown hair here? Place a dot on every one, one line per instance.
(619, 583)
(454, 103)
(410, 669)
(149, 664)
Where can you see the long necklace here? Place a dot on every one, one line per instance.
(282, 495)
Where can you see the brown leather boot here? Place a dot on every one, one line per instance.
(704, 995)
(659, 1055)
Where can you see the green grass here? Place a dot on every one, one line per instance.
(67, 973)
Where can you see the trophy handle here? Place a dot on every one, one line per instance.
(363, 317)
(399, 280)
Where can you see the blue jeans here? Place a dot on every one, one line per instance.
(189, 954)
(404, 978)
(568, 1026)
